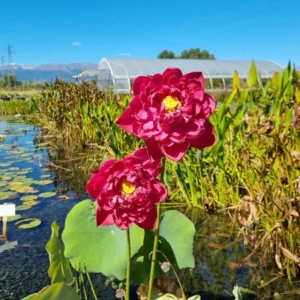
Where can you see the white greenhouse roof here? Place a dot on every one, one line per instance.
(120, 72)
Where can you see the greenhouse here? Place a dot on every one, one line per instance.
(120, 73)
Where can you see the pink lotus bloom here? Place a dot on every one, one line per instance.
(169, 111)
(127, 190)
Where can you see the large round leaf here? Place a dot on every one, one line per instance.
(100, 249)
(57, 291)
(179, 231)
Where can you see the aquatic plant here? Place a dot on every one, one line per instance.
(127, 190)
(170, 111)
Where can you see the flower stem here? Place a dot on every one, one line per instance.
(127, 297)
(156, 238)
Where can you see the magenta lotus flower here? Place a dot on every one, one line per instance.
(127, 190)
(170, 112)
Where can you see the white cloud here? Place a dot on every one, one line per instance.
(76, 44)
(124, 54)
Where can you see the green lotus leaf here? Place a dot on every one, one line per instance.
(47, 195)
(56, 291)
(28, 223)
(82, 239)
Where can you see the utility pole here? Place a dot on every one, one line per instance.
(2, 63)
(10, 52)
(10, 63)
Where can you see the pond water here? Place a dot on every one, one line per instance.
(26, 169)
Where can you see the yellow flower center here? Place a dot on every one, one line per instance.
(171, 103)
(127, 187)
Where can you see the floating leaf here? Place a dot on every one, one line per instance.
(45, 176)
(26, 189)
(7, 195)
(14, 218)
(3, 183)
(31, 203)
(6, 178)
(29, 198)
(5, 164)
(43, 182)
(47, 194)
(82, 239)
(15, 183)
(22, 207)
(28, 223)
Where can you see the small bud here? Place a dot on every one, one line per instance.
(165, 266)
(120, 293)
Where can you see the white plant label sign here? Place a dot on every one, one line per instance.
(7, 210)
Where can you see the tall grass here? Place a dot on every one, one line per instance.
(13, 107)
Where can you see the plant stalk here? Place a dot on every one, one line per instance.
(156, 239)
(127, 297)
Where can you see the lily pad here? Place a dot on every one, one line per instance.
(47, 194)
(45, 176)
(14, 169)
(31, 203)
(14, 218)
(28, 223)
(26, 189)
(6, 178)
(29, 198)
(5, 164)
(7, 195)
(43, 182)
(22, 207)
(16, 183)
(3, 183)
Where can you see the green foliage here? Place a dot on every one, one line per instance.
(179, 231)
(13, 107)
(252, 78)
(59, 269)
(256, 156)
(176, 243)
(193, 53)
(10, 81)
(166, 54)
(98, 249)
(57, 291)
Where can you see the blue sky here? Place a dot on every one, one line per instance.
(85, 31)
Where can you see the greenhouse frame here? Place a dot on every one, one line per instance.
(120, 73)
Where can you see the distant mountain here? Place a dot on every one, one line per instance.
(298, 68)
(49, 72)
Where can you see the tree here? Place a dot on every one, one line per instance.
(10, 81)
(193, 53)
(196, 53)
(166, 54)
